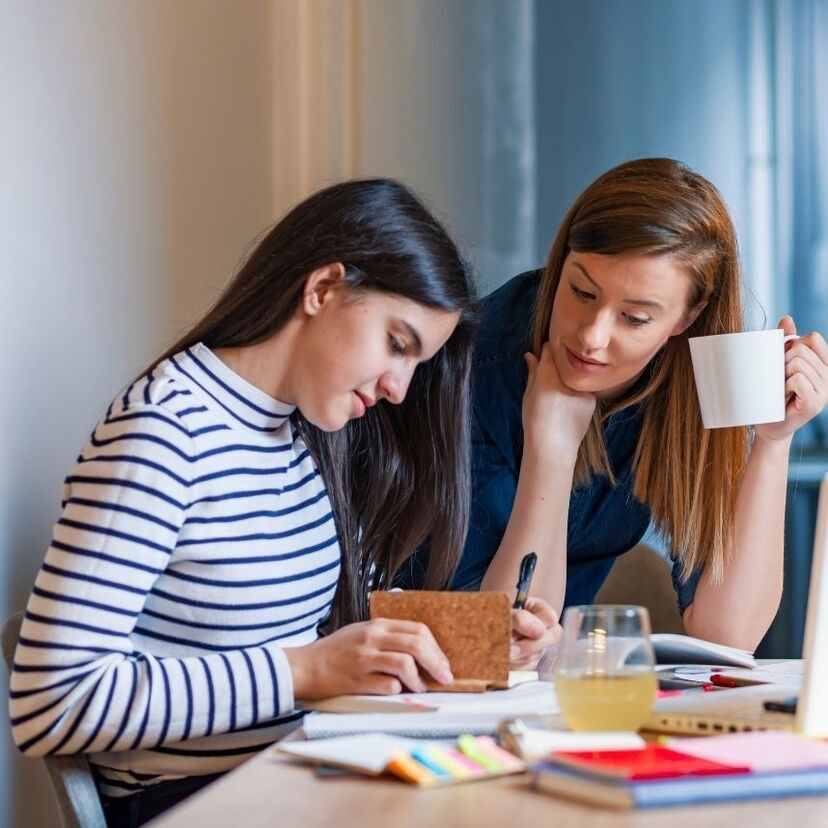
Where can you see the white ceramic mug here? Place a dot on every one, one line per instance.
(740, 377)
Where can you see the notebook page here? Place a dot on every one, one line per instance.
(370, 752)
(526, 697)
(537, 697)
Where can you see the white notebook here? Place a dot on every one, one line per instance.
(366, 753)
(419, 726)
(456, 713)
(684, 649)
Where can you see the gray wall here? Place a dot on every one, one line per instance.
(136, 165)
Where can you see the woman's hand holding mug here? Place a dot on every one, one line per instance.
(806, 382)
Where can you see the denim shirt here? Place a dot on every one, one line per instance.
(605, 520)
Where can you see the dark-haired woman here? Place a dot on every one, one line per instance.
(276, 464)
(596, 431)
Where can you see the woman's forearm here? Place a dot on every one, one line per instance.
(739, 610)
(538, 523)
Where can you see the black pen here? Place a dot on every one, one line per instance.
(527, 569)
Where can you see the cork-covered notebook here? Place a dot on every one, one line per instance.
(472, 628)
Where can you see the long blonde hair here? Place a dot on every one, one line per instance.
(688, 476)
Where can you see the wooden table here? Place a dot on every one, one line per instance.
(269, 791)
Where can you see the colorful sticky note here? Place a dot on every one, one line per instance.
(420, 755)
(406, 768)
(469, 747)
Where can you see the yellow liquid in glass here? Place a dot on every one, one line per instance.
(600, 702)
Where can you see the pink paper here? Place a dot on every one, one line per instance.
(761, 751)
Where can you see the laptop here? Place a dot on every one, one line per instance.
(743, 708)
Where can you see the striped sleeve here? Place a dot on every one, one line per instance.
(77, 682)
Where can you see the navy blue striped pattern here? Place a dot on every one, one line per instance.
(196, 541)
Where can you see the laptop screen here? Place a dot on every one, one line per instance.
(812, 711)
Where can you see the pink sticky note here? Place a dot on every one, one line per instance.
(761, 751)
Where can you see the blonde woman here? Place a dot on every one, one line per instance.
(581, 442)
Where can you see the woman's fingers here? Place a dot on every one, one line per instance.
(527, 651)
(526, 625)
(809, 349)
(416, 640)
(536, 628)
(804, 365)
(806, 398)
(381, 684)
(816, 342)
(401, 666)
(788, 325)
(430, 660)
(543, 610)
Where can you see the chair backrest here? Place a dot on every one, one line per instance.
(642, 576)
(74, 787)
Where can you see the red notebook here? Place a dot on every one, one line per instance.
(649, 762)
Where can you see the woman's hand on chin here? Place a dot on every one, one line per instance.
(534, 629)
(806, 384)
(555, 418)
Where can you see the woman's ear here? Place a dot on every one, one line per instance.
(689, 318)
(321, 286)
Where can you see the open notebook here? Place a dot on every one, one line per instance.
(438, 715)
(684, 649)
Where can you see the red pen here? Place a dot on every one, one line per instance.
(728, 681)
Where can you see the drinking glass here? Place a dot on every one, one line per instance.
(604, 676)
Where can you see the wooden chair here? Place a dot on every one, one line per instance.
(642, 576)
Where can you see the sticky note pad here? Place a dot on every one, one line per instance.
(443, 758)
(508, 761)
(470, 748)
(407, 768)
(422, 756)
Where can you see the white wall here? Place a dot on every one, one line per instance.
(447, 104)
(136, 163)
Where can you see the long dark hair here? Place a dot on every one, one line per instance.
(398, 476)
(687, 475)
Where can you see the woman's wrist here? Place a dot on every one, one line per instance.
(561, 453)
(772, 445)
(297, 658)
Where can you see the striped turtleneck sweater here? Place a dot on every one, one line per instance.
(196, 541)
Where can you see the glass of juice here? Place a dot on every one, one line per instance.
(604, 676)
